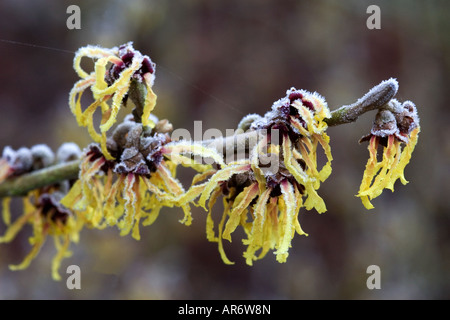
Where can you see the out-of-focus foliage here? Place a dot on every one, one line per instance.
(216, 62)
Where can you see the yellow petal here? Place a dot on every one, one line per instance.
(17, 225)
(130, 204)
(152, 216)
(62, 253)
(406, 156)
(191, 194)
(75, 97)
(291, 163)
(119, 94)
(324, 141)
(222, 175)
(194, 149)
(226, 212)
(314, 200)
(6, 213)
(210, 234)
(289, 200)
(90, 52)
(149, 103)
(256, 237)
(110, 200)
(31, 255)
(254, 160)
(240, 204)
(299, 205)
(173, 185)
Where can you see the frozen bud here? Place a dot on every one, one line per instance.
(112, 147)
(134, 136)
(149, 143)
(141, 168)
(9, 154)
(384, 124)
(120, 133)
(241, 179)
(42, 155)
(163, 126)
(407, 119)
(129, 153)
(247, 121)
(67, 152)
(132, 162)
(121, 168)
(23, 161)
(395, 106)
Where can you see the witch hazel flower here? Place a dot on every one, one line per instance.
(264, 193)
(48, 218)
(396, 130)
(111, 85)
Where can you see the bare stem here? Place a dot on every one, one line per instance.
(21, 185)
(377, 98)
(236, 144)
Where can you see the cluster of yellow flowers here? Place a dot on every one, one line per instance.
(41, 207)
(125, 178)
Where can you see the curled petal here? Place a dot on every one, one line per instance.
(256, 237)
(240, 205)
(289, 227)
(291, 164)
(194, 149)
(150, 101)
(222, 175)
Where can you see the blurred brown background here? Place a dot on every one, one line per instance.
(216, 62)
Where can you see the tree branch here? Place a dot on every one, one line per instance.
(21, 185)
(377, 98)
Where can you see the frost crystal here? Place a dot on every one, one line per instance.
(67, 152)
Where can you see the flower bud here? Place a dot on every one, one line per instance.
(384, 124)
(42, 156)
(67, 152)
